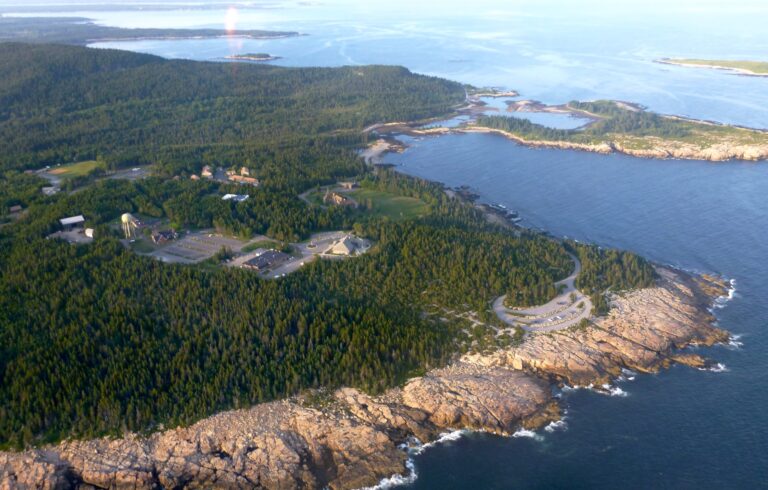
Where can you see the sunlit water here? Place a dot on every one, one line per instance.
(679, 429)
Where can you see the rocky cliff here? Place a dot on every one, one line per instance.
(348, 439)
(650, 147)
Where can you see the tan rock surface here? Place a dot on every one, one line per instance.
(352, 441)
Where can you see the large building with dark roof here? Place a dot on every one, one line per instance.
(267, 260)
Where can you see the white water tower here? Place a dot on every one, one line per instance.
(130, 225)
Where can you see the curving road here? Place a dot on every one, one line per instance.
(559, 314)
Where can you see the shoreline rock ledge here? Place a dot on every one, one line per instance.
(347, 439)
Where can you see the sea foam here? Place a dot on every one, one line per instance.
(722, 301)
(556, 425)
(414, 448)
(717, 368)
(735, 342)
(614, 390)
(529, 434)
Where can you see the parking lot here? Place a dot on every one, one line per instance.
(303, 253)
(196, 247)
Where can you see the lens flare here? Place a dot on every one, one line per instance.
(230, 20)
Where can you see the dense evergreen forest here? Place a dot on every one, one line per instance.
(95, 339)
(60, 104)
(613, 119)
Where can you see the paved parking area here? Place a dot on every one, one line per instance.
(196, 247)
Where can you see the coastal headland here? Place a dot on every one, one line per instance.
(347, 439)
(340, 438)
(613, 127)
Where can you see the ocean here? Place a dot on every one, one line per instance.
(681, 428)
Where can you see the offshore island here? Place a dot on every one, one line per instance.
(252, 57)
(170, 348)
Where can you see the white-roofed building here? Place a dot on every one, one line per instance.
(72, 222)
(235, 197)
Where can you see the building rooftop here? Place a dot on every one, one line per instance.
(266, 260)
(235, 197)
(73, 220)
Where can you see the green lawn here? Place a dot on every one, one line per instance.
(143, 245)
(75, 169)
(389, 205)
(268, 244)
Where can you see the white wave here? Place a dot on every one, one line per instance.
(626, 375)
(717, 368)
(397, 480)
(722, 301)
(614, 390)
(735, 341)
(568, 388)
(528, 433)
(454, 435)
(556, 425)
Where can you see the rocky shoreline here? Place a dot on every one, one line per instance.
(715, 153)
(654, 147)
(347, 439)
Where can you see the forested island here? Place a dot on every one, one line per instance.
(97, 341)
(742, 67)
(253, 57)
(618, 126)
(82, 31)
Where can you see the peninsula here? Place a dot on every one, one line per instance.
(346, 439)
(748, 68)
(120, 370)
(614, 126)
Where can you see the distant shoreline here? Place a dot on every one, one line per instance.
(250, 57)
(161, 37)
(713, 65)
(728, 146)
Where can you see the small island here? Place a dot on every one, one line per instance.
(260, 57)
(747, 68)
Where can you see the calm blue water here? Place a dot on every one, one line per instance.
(679, 429)
(550, 50)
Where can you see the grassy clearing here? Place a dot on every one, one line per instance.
(79, 169)
(268, 244)
(143, 246)
(383, 204)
